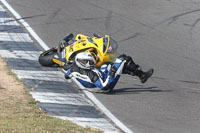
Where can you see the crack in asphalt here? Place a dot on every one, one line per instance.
(130, 37)
(28, 17)
(176, 17)
(53, 15)
(194, 24)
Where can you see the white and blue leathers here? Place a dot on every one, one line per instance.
(102, 78)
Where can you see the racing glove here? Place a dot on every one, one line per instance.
(113, 70)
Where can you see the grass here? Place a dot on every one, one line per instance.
(19, 112)
(1, 88)
(9, 72)
(27, 117)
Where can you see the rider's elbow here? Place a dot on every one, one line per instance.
(67, 76)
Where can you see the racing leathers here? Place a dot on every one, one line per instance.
(105, 78)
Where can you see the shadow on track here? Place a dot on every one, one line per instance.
(182, 81)
(136, 90)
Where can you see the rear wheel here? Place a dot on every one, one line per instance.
(46, 58)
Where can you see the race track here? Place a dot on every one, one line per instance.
(162, 34)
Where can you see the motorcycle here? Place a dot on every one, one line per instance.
(103, 49)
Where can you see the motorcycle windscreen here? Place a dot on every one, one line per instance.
(105, 44)
(113, 45)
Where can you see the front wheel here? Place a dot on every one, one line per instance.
(46, 58)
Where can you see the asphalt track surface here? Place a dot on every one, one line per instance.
(162, 34)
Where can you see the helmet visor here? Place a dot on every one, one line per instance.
(85, 62)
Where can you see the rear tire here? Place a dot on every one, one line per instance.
(46, 58)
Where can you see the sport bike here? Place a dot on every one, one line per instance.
(103, 49)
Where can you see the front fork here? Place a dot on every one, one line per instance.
(60, 57)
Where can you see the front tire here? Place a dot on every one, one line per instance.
(46, 58)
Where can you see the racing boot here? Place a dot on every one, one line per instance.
(143, 76)
(135, 70)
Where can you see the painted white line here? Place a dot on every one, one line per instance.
(99, 123)
(40, 75)
(28, 55)
(2, 9)
(64, 98)
(107, 112)
(89, 94)
(15, 37)
(8, 21)
(25, 24)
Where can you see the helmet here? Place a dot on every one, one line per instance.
(94, 53)
(85, 60)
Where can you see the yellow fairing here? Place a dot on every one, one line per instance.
(83, 43)
(59, 62)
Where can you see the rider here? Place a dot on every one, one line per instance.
(86, 75)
